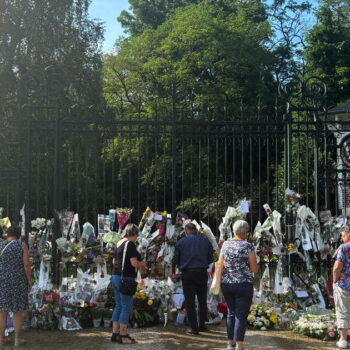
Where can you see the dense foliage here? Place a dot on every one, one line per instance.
(182, 63)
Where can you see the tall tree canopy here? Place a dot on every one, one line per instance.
(205, 57)
(149, 14)
(328, 50)
(37, 34)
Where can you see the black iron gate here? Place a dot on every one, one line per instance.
(89, 160)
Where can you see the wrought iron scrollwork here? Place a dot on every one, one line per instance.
(345, 151)
(303, 89)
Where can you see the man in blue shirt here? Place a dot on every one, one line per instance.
(193, 254)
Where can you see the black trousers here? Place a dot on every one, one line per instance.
(195, 283)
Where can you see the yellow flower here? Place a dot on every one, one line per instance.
(274, 318)
(150, 302)
(250, 317)
(291, 246)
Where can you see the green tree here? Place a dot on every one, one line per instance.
(149, 14)
(210, 57)
(328, 50)
(50, 55)
(199, 65)
(35, 35)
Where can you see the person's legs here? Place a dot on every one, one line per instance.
(126, 310)
(17, 325)
(230, 299)
(244, 297)
(117, 308)
(342, 310)
(3, 321)
(189, 289)
(201, 291)
(344, 334)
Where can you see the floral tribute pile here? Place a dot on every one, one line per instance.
(292, 291)
(317, 326)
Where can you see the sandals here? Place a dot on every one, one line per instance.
(132, 340)
(115, 338)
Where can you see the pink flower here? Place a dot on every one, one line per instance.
(331, 334)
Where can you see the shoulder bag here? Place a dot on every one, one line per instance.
(6, 246)
(215, 287)
(128, 286)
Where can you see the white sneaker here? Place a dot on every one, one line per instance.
(343, 344)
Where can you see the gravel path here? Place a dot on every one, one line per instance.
(170, 338)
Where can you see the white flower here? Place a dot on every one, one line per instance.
(263, 328)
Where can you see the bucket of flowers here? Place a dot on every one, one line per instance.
(262, 317)
(96, 313)
(142, 314)
(84, 314)
(107, 317)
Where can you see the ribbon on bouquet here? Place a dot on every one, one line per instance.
(308, 229)
(205, 229)
(44, 275)
(279, 278)
(225, 226)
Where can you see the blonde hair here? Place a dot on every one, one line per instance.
(240, 227)
(130, 230)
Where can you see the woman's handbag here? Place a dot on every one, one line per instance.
(216, 284)
(6, 246)
(128, 287)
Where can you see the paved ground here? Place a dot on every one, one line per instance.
(170, 338)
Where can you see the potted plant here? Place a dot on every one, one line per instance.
(96, 313)
(107, 317)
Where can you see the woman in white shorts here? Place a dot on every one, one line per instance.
(341, 287)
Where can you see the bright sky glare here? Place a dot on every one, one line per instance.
(107, 11)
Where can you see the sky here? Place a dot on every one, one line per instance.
(107, 11)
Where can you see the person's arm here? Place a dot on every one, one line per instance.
(337, 269)
(134, 256)
(27, 267)
(253, 264)
(136, 263)
(340, 259)
(220, 264)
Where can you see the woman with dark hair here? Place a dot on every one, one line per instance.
(124, 303)
(15, 282)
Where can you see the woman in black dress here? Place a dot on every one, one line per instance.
(15, 282)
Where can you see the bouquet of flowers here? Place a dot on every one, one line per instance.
(47, 315)
(144, 218)
(40, 223)
(316, 326)
(111, 238)
(232, 214)
(262, 317)
(123, 215)
(161, 290)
